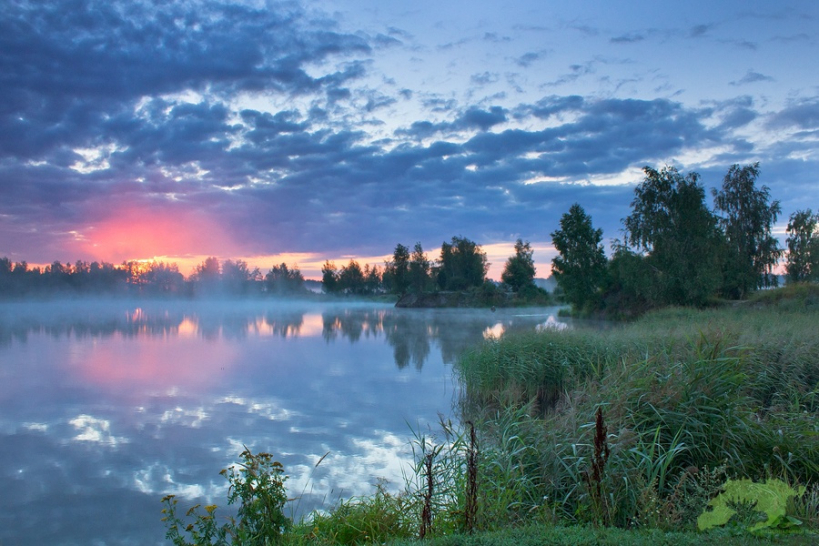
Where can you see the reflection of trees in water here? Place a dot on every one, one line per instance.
(137, 323)
(352, 324)
(410, 333)
(288, 325)
(409, 338)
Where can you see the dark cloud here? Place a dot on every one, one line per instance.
(698, 31)
(752, 77)
(485, 78)
(803, 114)
(629, 38)
(68, 66)
(527, 59)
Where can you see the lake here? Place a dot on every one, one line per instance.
(107, 406)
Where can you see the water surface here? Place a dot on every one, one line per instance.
(105, 407)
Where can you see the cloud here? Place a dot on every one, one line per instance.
(803, 114)
(752, 77)
(630, 38)
(698, 31)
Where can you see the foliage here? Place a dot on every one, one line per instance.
(519, 271)
(462, 265)
(770, 498)
(283, 280)
(419, 268)
(747, 221)
(672, 225)
(803, 246)
(580, 268)
(682, 390)
(375, 518)
(329, 277)
(351, 279)
(258, 485)
(396, 272)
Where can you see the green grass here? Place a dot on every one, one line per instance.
(681, 391)
(689, 399)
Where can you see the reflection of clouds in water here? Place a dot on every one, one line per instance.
(182, 417)
(95, 430)
(494, 332)
(551, 324)
(159, 480)
(500, 328)
(269, 409)
(384, 458)
(36, 427)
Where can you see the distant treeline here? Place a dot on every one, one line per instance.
(462, 265)
(231, 277)
(678, 251)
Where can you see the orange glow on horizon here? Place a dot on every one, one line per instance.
(130, 233)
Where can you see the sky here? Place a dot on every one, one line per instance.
(303, 131)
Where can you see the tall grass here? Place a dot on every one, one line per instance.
(681, 391)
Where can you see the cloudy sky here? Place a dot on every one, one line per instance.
(313, 130)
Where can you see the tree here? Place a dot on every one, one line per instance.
(396, 272)
(372, 279)
(351, 278)
(747, 220)
(462, 265)
(803, 246)
(329, 277)
(580, 267)
(672, 225)
(236, 276)
(418, 270)
(519, 271)
(283, 280)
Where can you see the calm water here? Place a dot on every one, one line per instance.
(105, 407)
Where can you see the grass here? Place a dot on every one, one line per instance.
(612, 437)
(681, 391)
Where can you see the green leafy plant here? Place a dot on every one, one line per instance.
(258, 484)
(770, 497)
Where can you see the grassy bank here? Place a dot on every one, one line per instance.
(621, 436)
(689, 399)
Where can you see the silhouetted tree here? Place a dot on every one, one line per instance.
(462, 265)
(351, 278)
(747, 220)
(580, 267)
(519, 271)
(329, 277)
(803, 246)
(418, 270)
(396, 272)
(281, 280)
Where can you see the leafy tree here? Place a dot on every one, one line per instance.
(372, 279)
(236, 276)
(580, 267)
(283, 280)
(397, 271)
(519, 271)
(462, 265)
(803, 246)
(329, 277)
(351, 278)
(672, 225)
(418, 269)
(747, 219)
(209, 269)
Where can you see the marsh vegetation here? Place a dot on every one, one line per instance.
(636, 428)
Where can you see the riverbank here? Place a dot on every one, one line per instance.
(618, 436)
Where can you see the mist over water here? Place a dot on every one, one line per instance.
(106, 406)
